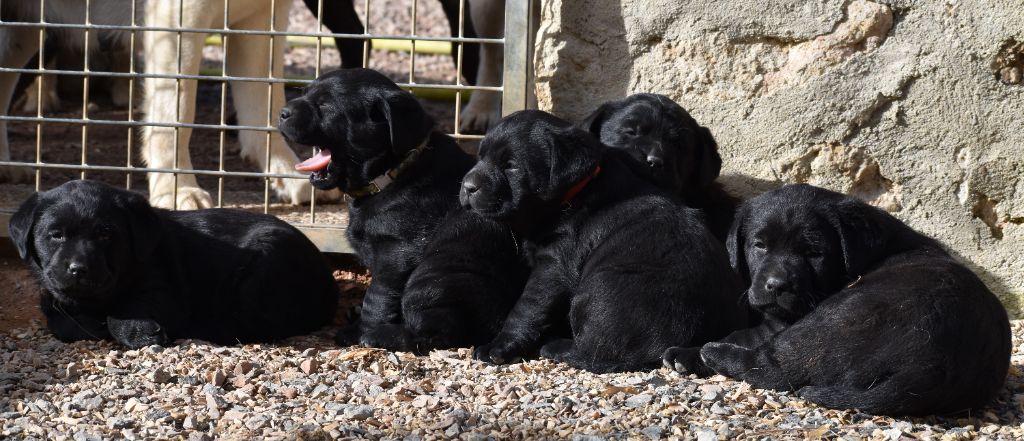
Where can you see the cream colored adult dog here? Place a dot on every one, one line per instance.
(484, 108)
(165, 102)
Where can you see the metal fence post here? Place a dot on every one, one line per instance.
(517, 71)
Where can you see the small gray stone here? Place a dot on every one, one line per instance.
(158, 415)
(319, 390)
(710, 392)
(359, 412)
(85, 436)
(118, 423)
(652, 432)
(585, 437)
(453, 431)
(893, 434)
(159, 375)
(707, 435)
(639, 400)
(199, 436)
(718, 409)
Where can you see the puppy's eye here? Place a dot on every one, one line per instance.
(759, 245)
(56, 235)
(629, 131)
(510, 166)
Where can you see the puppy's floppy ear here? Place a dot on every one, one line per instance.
(864, 233)
(736, 245)
(21, 225)
(574, 154)
(143, 222)
(408, 123)
(709, 162)
(593, 122)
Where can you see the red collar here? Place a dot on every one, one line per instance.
(578, 187)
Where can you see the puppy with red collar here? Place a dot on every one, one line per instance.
(611, 253)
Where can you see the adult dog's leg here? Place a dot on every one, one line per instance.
(484, 108)
(341, 18)
(22, 44)
(249, 56)
(163, 101)
(470, 51)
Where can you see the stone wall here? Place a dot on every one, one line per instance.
(914, 106)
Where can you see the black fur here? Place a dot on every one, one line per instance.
(681, 154)
(442, 276)
(863, 312)
(112, 267)
(636, 272)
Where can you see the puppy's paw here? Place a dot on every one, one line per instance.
(482, 112)
(392, 337)
(725, 358)
(499, 351)
(558, 350)
(189, 198)
(15, 175)
(137, 333)
(347, 336)
(685, 361)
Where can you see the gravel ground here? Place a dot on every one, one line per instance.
(305, 388)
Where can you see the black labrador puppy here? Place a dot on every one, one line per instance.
(681, 154)
(113, 267)
(610, 251)
(862, 311)
(442, 276)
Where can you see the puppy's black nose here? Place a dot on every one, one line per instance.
(655, 161)
(470, 183)
(775, 285)
(286, 112)
(77, 269)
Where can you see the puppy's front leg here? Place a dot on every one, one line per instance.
(137, 332)
(134, 325)
(68, 324)
(528, 319)
(689, 361)
(382, 304)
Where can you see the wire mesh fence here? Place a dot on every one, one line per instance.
(173, 92)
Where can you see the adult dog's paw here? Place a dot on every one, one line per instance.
(482, 112)
(137, 333)
(725, 358)
(188, 198)
(685, 361)
(299, 191)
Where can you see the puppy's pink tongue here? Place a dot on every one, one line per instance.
(317, 163)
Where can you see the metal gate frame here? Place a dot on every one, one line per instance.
(517, 81)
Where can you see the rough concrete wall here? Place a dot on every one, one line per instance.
(914, 106)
